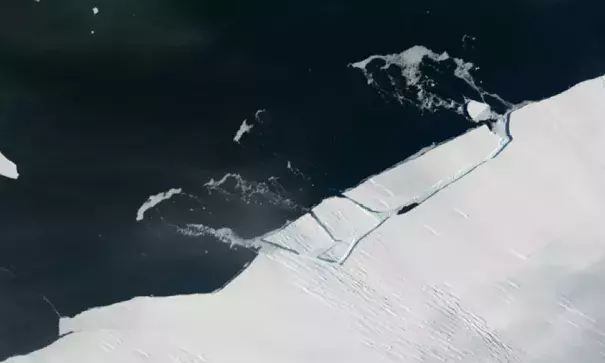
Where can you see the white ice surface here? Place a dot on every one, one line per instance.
(420, 177)
(504, 265)
(478, 111)
(328, 231)
(244, 128)
(344, 220)
(154, 200)
(8, 168)
(333, 227)
(305, 236)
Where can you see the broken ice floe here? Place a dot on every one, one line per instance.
(154, 200)
(244, 128)
(417, 88)
(479, 111)
(8, 168)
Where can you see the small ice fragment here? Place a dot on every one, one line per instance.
(8, 168)
(95, 10)
(243, 129)
(154, 200)
(258, 113)
(478, 111)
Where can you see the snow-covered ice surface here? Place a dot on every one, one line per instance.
(504, 265)
(154, 200)
(8, 168)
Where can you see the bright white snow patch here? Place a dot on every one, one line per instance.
(436, 284)
(478, 111)
(8, 168)
(154, 200)
(244, 128)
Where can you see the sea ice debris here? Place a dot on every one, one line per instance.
(154, 200)
(244, 128)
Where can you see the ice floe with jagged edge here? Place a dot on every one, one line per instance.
(8, 168)
(231, 185)
(419, 89)
(154, 200)
(244, 128)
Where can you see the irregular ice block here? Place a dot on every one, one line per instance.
(478, 111)
(8, 168)
(154, 200)
(415, 179)
(244, 128)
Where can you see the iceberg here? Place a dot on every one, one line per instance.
(506, 263)
(154, 200)
(8, 168)
(478, 111)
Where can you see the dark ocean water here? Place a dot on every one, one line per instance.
(151, 101)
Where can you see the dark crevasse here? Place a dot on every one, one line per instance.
(152, 100)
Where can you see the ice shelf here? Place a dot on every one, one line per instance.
(506, 264)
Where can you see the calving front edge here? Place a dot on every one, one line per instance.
(333, 227)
